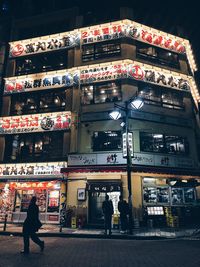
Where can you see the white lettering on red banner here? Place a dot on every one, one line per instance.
(35, 123)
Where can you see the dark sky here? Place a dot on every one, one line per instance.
(177, 17)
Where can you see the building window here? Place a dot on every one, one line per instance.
(159, 96)
(41, 63)
(157, 55)
(106, 141)
(156, 194)
(34, 147)
(169, 144)
(101, 93)
(37, 102)
(100, 50)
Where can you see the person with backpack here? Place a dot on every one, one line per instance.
(107, 208)
(124, 211)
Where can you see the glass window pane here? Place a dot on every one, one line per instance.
(177, 196)
(107, 92)
(105, 141)
(150, 194)
(87, 95)
(189, 194)
(163, 195)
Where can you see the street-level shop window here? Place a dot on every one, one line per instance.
(34, 147)
(159, 96)
(41, 63)
(38, 102)
(100, 50)
(159, 192)
(48, 199)
(106, 141)
(101, 93)
(163, 143)
(157, 55)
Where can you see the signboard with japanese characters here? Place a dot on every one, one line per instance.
(98, 33)
(35, 123)
(29, 169)
(41, 81)
(44, 44)
(104, 32)
(93, 74)
(134, 71)
(133, 30)
(115, 158)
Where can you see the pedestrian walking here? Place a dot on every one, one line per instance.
(123, 210)
(31, 225)
(107, 208)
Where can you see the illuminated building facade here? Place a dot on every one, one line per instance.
(56, 134)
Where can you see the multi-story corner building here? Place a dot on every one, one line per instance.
(59, 90)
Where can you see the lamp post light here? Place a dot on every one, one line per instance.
(135, 103)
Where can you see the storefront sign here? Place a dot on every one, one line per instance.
(134, 71)
(20, 169)
(132, 30)
(93, 74)
(154, 37)
(103, 73)
(82, 159)
(103, 33)
(162, 160)
(104, 187)
(44, 44)
(147, 159)
(32, 185)
(42, 81)
(35, 123)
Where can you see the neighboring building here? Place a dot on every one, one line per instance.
(59, 90)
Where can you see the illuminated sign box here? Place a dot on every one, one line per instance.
(29, 169)
(41, 81)
(97, 73)
(35, 123)
(104, 32)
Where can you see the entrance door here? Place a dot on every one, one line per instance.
(95, 206)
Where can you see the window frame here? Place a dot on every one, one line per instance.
(159, 93)
(98, 146)
(97, 54)
(163, 147)
(96, 86)
(157, 58)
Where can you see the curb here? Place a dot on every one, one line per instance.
(92, 236)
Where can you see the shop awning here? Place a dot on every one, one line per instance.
(104, 186)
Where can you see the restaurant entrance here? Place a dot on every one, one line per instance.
(97, 193)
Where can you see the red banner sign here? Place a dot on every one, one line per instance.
(35, 123)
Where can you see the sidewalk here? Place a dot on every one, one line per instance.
(142, 233)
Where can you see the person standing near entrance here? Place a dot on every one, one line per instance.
(107, 208)
(123, 210)
(31, 225)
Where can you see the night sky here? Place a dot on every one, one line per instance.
(177, 17)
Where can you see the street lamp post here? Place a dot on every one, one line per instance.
(136, 103)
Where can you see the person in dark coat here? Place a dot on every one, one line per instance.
(123, 210)
(31, 226)
(107, 208)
